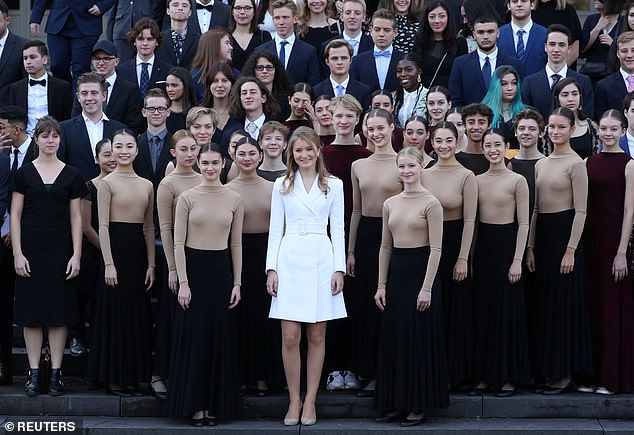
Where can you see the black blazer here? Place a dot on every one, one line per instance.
(366, 44)
(536, 92)
(219, 17)
(302, 65)
(143, 161)
(233, 125)
(160, 69)
(167, 54)
(75, 149)
(29, 156)
(609, 94)
(358, 90)
(59, 96)
(11, 65)
(363, 69)
(124, 105)
(5, 171)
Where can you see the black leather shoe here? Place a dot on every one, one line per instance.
(505, 393)
(5, 374)
(197, 422)
(56, 385)
(32, 385)
(388, 418)
(77, 348)
(553, 391)
(210, 421)
(407, 422)
(118, 392)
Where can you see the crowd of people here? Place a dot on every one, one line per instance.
(428, 192)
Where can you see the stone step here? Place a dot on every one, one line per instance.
(162, 426)
(79, 401)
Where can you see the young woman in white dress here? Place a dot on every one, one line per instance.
(305, 267)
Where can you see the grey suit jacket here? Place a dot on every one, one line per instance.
(124, 14)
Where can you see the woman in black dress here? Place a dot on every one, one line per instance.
(120, 343)
(46, 251)
(317, 23)
(221, 79)
(245, 35)
(180, 91)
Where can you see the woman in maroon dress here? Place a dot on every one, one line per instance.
(609, 224)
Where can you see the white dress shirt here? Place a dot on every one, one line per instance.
(335, 84)
(493, 59)
(630, 142)
(95, 131)
(354, 46)
(3, 42)
(258, 124)
(204, 17)
(139, 68)
(37, 102)
(527, 29)
(550, 73)
(382, 65)
(287, 49)
(21, 153)
(625, 75)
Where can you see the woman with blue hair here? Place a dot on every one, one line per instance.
(504, 98)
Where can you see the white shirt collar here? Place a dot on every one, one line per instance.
(335, 84)
(139, 61)
(112, 79)
(22, 148)
(259, 122)
(482, 55)
(290, 39)
(562, 73)
(104, 117)
(3, 40)
(211, 3)
(350, 38)
(527, 28)
(44, 77)
(625, 75)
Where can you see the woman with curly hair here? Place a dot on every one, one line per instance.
(410, 96)
(504, 98)
(266, 66)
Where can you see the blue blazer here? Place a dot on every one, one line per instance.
(363, 69)
(466, 84)
(127, 71)
(61, 10)
(358, 90)
(302, 65)
(624, 145)
(75, 149)
(535, 58)
(609, 94)
(366, 44)
(11, 65)
(536, 92)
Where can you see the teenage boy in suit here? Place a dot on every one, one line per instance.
(10, 55)
(180, 41)
(40, 94)
(610, 92)
(377, 68)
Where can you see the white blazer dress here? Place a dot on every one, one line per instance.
(303, 255)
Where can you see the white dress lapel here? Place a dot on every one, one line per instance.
(300, 192)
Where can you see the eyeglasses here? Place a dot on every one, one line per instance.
(156, 109)
(102, 59)
(264, 67)
(243, 8)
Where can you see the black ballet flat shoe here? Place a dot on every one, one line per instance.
(32, 384)
(56, 385)
(118, 392)
(554, 391)
(197, 422)
(210, 421)
(161, 395)
(408, 423)
(365, 393)
(388, 418)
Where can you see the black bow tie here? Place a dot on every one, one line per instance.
(37, 82)
(208, 7)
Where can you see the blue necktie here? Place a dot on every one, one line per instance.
(486, 72)
(355, 46)
(144, 83)
(283, 52)
(520, 44)
(339, 91)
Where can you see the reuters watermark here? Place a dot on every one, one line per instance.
(41, 426)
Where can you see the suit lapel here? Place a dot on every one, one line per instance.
(23, 96)
(8, 50)
(188, 43)
(80, 126)
(475, 66)
(531, 42)
(301, 194)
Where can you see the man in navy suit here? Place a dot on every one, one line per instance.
(627, 141)
(471, 73)
(180, 40)
(40, 94)
(522, 38)
(72, 29)
(352, 16)
(338, 59)
(11, 67)
(120, 19)
(377, 68)
(298, 57)
(145, 70)
(81, 133)
(610, 92)
(537, 87)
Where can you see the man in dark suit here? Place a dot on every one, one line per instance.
(180, 41)
(72, 28)
(610, 92)
(81, 133)
(522, 38)
(21, 151)
(352, 15)
(120, 19)
(298, 57)
(537, 88)
(627, 140)
(209, 14)
(40, 94)
(471, 73)
(377, 68)
(338, 58)
(11, 66)
(123, 99)
(145, 70)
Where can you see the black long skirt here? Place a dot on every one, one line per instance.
(368, 322)
(458, 307)
(204, 365)
(120, 340)
(412, 368)
(167, 308)
(259, 338)
(562, 346)
(501, 344)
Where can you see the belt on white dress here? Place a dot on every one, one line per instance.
(303, 228)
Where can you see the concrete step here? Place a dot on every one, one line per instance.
(161, 426)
